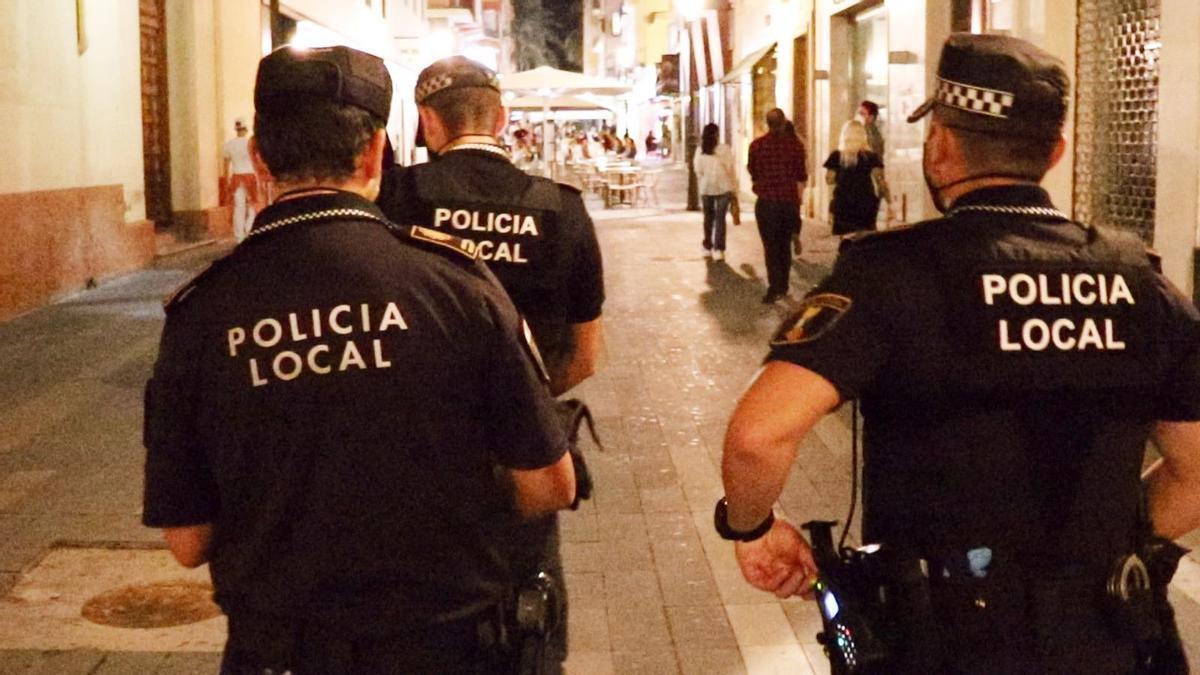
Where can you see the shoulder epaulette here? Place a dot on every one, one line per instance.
(440, 241)
(1155, 259)
(180, 294)
(873, 237)
(570, 188)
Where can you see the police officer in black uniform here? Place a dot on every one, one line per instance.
(534, 234)
(1010, 364)
(344, 413)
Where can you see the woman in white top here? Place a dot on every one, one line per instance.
(717, 182)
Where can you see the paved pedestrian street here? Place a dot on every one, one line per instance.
(653, 589)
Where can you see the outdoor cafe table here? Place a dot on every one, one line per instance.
(622, 185)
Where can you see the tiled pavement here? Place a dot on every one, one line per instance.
(653, 590)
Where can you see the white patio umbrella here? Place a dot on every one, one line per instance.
(561, 81)
(554, 103)
(546, 82)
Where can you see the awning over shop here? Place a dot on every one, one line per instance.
(742, 67)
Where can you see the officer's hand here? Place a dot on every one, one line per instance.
(781, 562)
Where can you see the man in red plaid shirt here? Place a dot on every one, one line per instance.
(777, 169)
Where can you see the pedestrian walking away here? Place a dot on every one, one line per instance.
(1011, 365)
(535, 234)
(239, 181)
(717, 183)
(345, 414)
(856, 174)
(778, 169)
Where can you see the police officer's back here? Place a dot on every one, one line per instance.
(1011, 365)
(535, 234)
(351, 524)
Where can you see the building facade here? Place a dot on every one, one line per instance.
(1132, 162)
(117, 112)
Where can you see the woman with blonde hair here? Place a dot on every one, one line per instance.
(856, 175)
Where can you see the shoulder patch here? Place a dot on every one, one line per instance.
(815, 316)
(463, 247)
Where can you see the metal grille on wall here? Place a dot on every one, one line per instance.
(1116, 113)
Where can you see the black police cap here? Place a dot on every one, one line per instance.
(999, 85)
(289, 76)
(453, 72)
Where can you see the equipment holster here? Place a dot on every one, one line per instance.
(1137, 599)
(876, 610)
(535, 612)
(1139, 608)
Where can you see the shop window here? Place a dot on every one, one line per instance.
(869, 60)
(762, 78)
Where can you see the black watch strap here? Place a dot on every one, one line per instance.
(721, 523)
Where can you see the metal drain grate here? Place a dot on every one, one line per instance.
(158, 605)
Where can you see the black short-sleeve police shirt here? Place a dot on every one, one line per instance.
(893, 317)
(994, 356)
(551, 275)
(336, 400)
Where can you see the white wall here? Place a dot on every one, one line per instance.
(238, 49)
(1177, 207)
(1051, 26)
(192, 88)
(71, 120)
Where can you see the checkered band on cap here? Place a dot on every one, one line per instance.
(432, 86)
(990, 102)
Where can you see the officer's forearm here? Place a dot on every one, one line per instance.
(586, 343)
(190, 544)
(1173, 483)
(780, 407)
(540, 492)
(754, 471)
(1174, 501)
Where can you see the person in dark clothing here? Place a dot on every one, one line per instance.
(1011, 366)
(345, 414)
(868, 114)
(535, 235)
(856, 174)
(777, 166)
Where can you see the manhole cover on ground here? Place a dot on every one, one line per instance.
(156, 605)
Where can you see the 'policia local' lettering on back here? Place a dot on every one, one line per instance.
(1088, 328)
(489, 222)
(330, 354)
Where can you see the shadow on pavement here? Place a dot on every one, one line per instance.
(814, 271)
(734, 300)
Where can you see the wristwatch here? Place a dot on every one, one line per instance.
(721, 523)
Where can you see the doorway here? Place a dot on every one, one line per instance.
(156, 136)
(800, 86)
